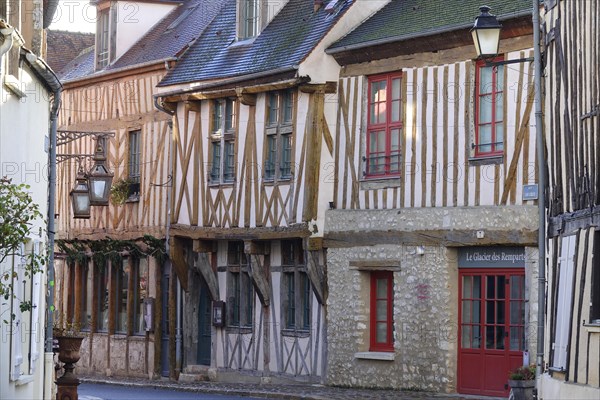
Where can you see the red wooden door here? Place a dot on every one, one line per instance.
(491, 329)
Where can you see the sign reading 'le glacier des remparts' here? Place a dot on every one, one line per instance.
(491, 257)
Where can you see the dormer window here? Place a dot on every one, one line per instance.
(102, 38)
(249, 13)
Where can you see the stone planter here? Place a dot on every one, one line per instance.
(68, 353)
(522, 390)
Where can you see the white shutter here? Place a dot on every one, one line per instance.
(564, 303)
(37, 327)
(16, 325)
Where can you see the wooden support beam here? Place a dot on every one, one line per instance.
(254, 247)
(193, 105)
(247, 99)
(327, 87)
(179, 262)
(259, 279)
(316, 274)
(202, 264)
(204, 246)
(314, 243)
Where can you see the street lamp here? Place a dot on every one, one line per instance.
(486, 34)
(80, 197)
(100, 179)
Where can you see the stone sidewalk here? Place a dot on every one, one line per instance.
(280, 391)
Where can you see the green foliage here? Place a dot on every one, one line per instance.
(18, 213)
(522, 373)
(119, 191)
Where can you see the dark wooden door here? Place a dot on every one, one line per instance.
(204, 331)
(164, 324)
(491, 329)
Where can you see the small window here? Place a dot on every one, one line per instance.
(489, 110)
(133, 171)
(102, 297)
(384, 126)
(223, 132)
(121, 289)
(86, 297)
(249, 18)
(102, 39)
(279, 140)
(140, 292)
(295, 287)
(240, 292)
(382, 311)
(595, 299)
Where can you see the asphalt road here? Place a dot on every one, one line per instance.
(92, 391)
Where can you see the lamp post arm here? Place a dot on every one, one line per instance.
(505, 62)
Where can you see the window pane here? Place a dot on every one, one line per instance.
(500, 285)
(382, 288)
(477, 287)
(499, 137)
(500, 337)
(288, 106)
(271, 157)
(291, 298)
(396, 89)
(215, 171)
(248, 293)
(217, 116)
(500, 312)
(102, 294)
(467, 287)
(121, 300)
(466, 311)
(229, 165)
(489, 337)
(476, 337)
(476, 311)
(485, 109)
(500, 78)
(305, 284)
(394, 159)
(516, 287)
(499, 100)
(517, 338)
(466, 337)
(88, 284)
(381, 334)
(490, 315)
(286, 156)
(396, 103)
(485, 80)
(485, 138)
(229, 115)
(141, 294)
(517, 312)
(273, 111)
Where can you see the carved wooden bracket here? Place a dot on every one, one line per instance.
(179, 262)
(260, 279)
(316, 274)
(202, 263)
(246, 99)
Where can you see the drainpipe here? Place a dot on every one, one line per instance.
(541, 159)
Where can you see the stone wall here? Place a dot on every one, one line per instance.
(425, 315)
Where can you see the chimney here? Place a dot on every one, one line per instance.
(317, 5)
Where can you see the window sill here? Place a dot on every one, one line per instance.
(243, 41)
(593, 327)
(280, 181)
(239, 329)
(368, 183)
(295, 333)
(375, 355)
(14, 85)
(24, 380)
(214, 185)
(490, 160)
(133, 199)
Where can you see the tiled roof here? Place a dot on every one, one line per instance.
(79, 67)
(64, 47)
(285, 42)
(168, 38)
(172, 34)
(401, 19)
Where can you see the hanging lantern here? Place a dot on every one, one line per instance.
(100, 179)
(80, 197)
(486, 34)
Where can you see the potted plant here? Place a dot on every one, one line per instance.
(522, 381)
(120, 191)
(69, 339)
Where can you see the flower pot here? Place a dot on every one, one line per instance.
(522, 390)
(68, 348)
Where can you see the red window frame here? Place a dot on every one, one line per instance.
(496, 147)
(388, 125)
(388, 345)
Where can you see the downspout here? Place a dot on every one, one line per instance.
(541, 159)
(179, 301)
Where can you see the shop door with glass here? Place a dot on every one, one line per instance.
(491, 329)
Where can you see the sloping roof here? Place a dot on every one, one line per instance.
(81, 66)
(285, 42)
(402, 19)
(63, 47)
(167, 39)
(172, 34)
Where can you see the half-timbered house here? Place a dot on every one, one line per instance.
(431, 235)
(113, 276)
(254, 112)
(572, 132)
(29, 98)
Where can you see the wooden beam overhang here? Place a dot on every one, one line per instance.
(277, 82)
(257, 272)
(327, 87)
(434, 42)
(316, 275)
(445, 237)
(568, 223)
(202, 264)
(233, 233)
(179, 261)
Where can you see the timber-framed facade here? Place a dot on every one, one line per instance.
(114, 277)
(572, 126)
(431, 237)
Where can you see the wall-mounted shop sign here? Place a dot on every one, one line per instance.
(491, 257)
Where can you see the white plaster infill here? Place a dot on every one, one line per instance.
(375, 355)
